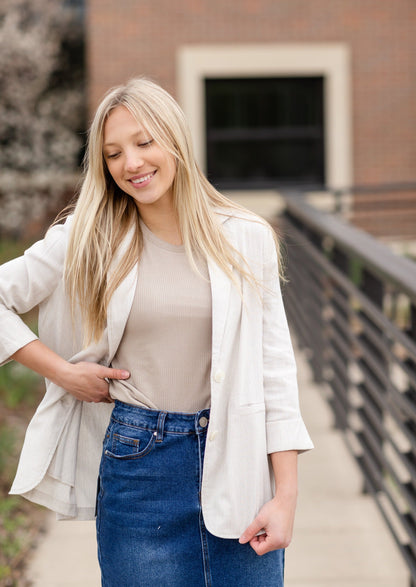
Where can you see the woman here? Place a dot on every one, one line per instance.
(162, 296)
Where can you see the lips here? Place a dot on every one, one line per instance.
(137, 180)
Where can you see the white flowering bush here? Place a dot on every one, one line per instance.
(41, 109)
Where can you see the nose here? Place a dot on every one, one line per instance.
(133, 161)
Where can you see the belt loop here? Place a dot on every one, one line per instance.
(160, 426)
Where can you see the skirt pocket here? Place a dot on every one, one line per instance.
(129, 442)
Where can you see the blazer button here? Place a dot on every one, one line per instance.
(219, 376)
(213, 435)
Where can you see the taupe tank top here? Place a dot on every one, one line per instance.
(166, 345)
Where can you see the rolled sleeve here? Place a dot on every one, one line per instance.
(15, 335)
(287, 435)
(24, 283)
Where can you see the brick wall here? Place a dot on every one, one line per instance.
(135, 37)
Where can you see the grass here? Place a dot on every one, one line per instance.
(17, 386)
(11, 248)
(20, 521)
(20, 392)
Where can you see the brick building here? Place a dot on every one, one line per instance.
(277, 92)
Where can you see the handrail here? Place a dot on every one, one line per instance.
(380, 258)
(352, 304)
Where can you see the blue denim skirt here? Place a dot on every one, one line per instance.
(150, 527)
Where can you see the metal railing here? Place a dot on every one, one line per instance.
(352, 304)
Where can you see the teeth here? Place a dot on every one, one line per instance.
(142, 179)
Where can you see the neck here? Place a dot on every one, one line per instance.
(163, 222)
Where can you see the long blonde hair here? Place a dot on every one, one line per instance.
(104, 214)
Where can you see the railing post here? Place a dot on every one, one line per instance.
(374, 367)
(339, 347)
(317, 287)
(410, 394)
(412, 328)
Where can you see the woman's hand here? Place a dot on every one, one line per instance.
(276, 518)
(88, 382)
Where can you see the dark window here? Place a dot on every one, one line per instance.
(80, 4)
(265, 132)
(77, 6)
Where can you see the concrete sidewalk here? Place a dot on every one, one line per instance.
(340, 538)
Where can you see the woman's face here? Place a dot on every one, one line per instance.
(138, 165)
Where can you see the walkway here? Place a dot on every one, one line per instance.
(340, 538)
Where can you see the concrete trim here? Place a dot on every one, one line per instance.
(331, 60)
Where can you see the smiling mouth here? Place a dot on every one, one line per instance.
(143, 179)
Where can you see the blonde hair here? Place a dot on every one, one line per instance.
(104, 214)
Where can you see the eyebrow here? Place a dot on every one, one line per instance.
(135, 134)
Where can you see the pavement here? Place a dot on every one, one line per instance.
(340, 538)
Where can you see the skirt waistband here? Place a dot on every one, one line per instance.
(160, 420)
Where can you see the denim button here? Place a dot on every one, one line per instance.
(203, 421)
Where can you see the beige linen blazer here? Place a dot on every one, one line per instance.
(254, 396)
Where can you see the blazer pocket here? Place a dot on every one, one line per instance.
(251, 408)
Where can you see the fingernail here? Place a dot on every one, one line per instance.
(125, 374)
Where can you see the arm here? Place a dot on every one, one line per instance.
(85, 381)
(24, 283)
(285, 430)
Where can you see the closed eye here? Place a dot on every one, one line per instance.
(116, 154)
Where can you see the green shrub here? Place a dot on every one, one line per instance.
(20, 391)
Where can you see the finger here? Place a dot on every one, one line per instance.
(250, 532)
(260, 547)
(109, 373)
(97, 399)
